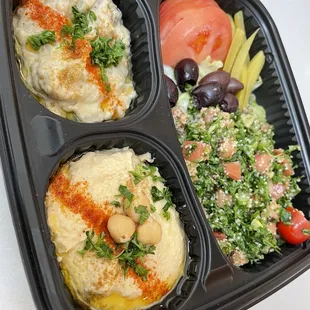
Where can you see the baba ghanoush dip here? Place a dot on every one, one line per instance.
(74, 57)
(118, 237)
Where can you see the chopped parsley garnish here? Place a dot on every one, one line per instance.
(38, 40)
(166, 215)
(144, 213)
(128, 257)
(80, 25)
(143, 171)
(100, 246)
(115, 203)
(92, 16)
(127, 194)
(153, 209)
(158, 195)
(134, 250)
(106, 53)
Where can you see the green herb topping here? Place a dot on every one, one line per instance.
(92, 16)
(80, 25)
(153, 209)
(143, 171)
(128, 257)
(38, 40)
(115, 203)
(144, 213)
(158, 195)
(100, 246)
(134, 250)
(106, 53)
(127, 194)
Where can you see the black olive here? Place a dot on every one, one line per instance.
(221, 77)
(234, 86)
(208, 95)
(186, 72)
(229, 104)
(172, 91)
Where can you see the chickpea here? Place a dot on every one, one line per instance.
(149, 232)
(142, 200)
(121, 228)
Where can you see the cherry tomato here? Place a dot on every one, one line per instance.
(298, 228)
(182, 36)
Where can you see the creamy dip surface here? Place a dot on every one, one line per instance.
(79, 200)
(63, 78)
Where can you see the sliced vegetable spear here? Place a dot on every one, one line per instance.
(239, 22)
(255, 68)
(242, 93)
(233, 27)
(242, 56)
(234, 50)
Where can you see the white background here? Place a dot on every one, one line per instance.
(293, 21)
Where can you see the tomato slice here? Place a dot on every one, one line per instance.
(262, 162)
(182, 36)
(297, 229)
(176, 10)
(233, 170)
(174, 5)
(195, 151)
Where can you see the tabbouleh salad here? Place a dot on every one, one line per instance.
(243, 205)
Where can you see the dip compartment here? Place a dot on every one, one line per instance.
(137, 19)
(49, 277)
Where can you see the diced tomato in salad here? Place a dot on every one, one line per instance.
(277, 190)
(195, 151)
(233, 170)
(262, 162)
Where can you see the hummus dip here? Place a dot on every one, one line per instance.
(81, 201)
(75, 57)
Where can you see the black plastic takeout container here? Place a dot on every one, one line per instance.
(34, 142)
